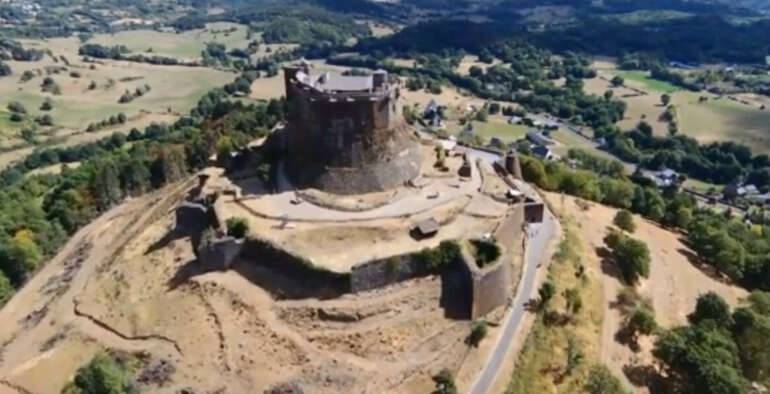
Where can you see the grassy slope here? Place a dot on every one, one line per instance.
(541, 363)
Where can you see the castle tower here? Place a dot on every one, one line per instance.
(346, 134)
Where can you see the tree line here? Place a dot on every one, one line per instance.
(40, 212)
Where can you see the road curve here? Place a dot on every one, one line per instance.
(537, 248)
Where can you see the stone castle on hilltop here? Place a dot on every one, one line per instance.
(346, 134)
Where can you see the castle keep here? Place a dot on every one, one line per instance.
(346, 134)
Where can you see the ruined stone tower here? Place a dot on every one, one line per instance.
(346, 134)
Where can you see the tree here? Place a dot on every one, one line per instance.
(445, 382)
(711, 306)
(47, 104)
(105, 184)
(482, 115)
(494, 108)
(644, 128)
(702, 358)
(625, 221)
(630, 255)
(617, 81)
(17, 107)
(237, 227)
(546, 293)
(102, 375)
(602, 381)
(478, 333)
(665, 99)
(6, 289)
(641, 321)
(71, 210)
(608, 94)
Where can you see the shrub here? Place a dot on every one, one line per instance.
(445, 382)
(237, 227)
(485, 252)
(103, 375)
(625, 221)
(478, 333)
(434, 260)
(602, 381)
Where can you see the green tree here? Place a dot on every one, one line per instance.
(702, 358)
(665, 99)
(105, 184)
(546, 292)
(6, 289)
(617, 81)
(102, 375)
(478, 333)
(237, 227)
(533, 171)
(602, 381)
(47, 104)
(608, 94)
(444, 382)
(630, 255)
(641, 322)
(71, 210)
(711, 306)
(625, 221)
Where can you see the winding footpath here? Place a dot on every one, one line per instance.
(537, 253)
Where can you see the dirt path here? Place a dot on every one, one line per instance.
(54, 312)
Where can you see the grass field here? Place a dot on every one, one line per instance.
(186, 45)
(542, 363)
(647, 83)
(498, 128)
(716, 119)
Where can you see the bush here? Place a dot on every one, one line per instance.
(602, 381)
(445, 382)
(478, 333)
(237, 227)
(434, 260)
(102, 375)
(485, 252)
(17, 107)
(47, 105)
(625, 221)
(631, 256)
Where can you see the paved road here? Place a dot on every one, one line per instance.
(536, 253)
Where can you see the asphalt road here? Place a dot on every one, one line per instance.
(537, 245)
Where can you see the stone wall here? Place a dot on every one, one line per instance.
(219, 254)
(384, 272)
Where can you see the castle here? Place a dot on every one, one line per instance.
(346, 134)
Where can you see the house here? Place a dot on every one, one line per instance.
(515, 119)
(543, 152)
(666, 177)
(763, 199)
(538, 138)
(734, 190)
(551, 125)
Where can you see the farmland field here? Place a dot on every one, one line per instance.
(715, 119)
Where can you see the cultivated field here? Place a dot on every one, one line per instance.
(185, 45)
(174, 90)
(718, 118)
